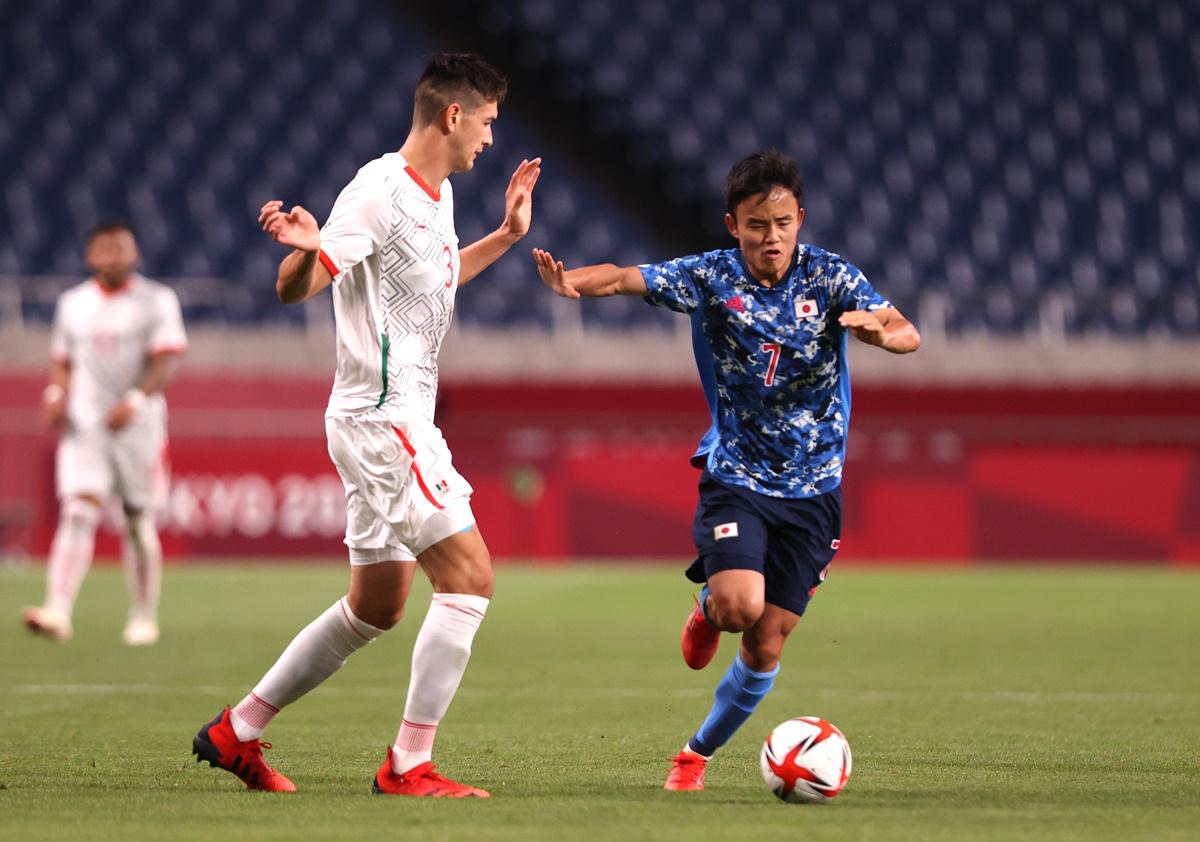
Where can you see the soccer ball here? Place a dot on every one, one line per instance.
(806, 759)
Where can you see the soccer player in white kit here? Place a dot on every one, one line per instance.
(114, 345)
(391, 255)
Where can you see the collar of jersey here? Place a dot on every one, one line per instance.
(130, 280)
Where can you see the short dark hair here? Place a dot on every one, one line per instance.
(456, 77)
(758, 173)
(110, 226)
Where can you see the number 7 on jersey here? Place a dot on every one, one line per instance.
(774, 349)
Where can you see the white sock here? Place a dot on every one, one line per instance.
(439, 660)
(71, 553)
(141, 554)
(313, 655)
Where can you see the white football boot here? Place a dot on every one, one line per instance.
(140, 631)
(48, 622)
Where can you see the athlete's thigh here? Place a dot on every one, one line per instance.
(728, 532)
(459, 563)
(803, 539)
(403, 473)
(369, 538)
(436, 497)
(82, 467)
(736, 586)
(139, 467)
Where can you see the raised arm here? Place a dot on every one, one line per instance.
(518, 213)
(593, 281)
(886, 329)
(301, 274)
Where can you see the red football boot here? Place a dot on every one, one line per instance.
(219, 745)
(422, 780)
(700, 638)
(687, 772)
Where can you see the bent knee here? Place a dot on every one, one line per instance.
(736, 614)
(83, 511)
(383, 615)
(474, 577)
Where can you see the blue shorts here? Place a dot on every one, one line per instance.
(791, 541)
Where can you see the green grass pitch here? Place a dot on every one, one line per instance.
(980, 704)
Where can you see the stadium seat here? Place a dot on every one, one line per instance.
(986, 152)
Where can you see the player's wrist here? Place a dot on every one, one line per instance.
(135, 399)
(508, 234)
(53, 393)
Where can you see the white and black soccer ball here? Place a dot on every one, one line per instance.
(806, 760)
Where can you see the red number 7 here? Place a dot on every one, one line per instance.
(772, 348)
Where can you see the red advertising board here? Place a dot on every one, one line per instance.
(932, 476)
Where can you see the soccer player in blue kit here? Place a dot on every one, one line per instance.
(770, 321)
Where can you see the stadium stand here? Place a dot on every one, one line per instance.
(1017, 167)
(1024, 168)
(132, 117)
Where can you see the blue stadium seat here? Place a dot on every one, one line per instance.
(987, 152)
(156, 118)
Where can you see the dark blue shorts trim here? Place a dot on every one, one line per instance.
(791, 541)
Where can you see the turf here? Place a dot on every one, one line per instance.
(980, 704)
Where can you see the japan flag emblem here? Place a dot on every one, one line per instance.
(725, 530)
(806, 308)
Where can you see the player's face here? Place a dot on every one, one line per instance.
(766, 227)
(112, 256)
(473, 134)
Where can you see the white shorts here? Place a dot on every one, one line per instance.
(402, 492)
(131, 464)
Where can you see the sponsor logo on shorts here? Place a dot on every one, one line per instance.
(835, 543)
(725, 530)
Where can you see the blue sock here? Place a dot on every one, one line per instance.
(738, 694)
(704, 603)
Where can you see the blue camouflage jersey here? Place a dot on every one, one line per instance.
(773, 364)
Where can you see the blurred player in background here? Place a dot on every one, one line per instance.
(770, 322)
(391, 254)
(115, 342)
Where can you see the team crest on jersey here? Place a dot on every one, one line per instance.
(735, 304)
(806, 308)
(725, 530)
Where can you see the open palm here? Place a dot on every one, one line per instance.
(296, 228)
(518, 198)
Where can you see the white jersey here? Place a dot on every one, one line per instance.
(108, 338)
(390, 245)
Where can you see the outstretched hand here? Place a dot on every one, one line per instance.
(518, 198)
(296, 228)
(552, 272)
(865, 325)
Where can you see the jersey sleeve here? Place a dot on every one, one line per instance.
(167, 335)
(676, 284)
(357, 225)
(60, 337)
(851, 290)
